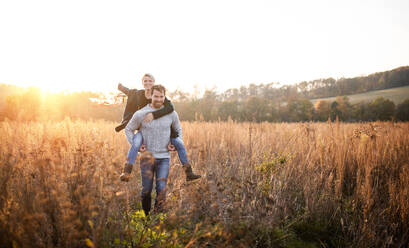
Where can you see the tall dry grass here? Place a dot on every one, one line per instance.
(263, 185)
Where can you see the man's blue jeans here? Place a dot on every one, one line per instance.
(159, 170)
(137, 142)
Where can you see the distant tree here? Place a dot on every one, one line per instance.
(361, 112)
(187, 110)
(303, 88)
(288, 92)
(229, 108)
(300, 110)
(334, 111)
(344, 108)
(402, 111)
(243, 93)
(398, 77)
(231, 95)
(207, 107)
(178, 95)
(382, 109)
(257, 109)
(322, 110)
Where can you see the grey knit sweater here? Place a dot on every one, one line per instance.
(156, 134)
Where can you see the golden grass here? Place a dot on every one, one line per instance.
(59, 184)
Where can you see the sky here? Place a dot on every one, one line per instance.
(92, 45)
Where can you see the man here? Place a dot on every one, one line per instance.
(156, 136)
(138, 99)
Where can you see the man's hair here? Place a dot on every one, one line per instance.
(159, 87)
(148, 75)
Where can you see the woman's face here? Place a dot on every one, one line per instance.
(148, 82)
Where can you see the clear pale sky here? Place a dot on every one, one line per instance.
(93, 45)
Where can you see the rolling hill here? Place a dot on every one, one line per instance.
(397, 95)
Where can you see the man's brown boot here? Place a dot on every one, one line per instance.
(126, 174)
(189, 173)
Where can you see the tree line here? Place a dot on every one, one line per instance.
(260, 109)
(263, 102)
(329, 87)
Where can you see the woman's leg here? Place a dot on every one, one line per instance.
(180, 147)
(133, 151)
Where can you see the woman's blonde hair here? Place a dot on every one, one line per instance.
(148, 75)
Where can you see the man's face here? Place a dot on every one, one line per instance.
(147, 82)
(158, 98)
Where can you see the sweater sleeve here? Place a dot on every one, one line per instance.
(167, 109)
(123, 89)
(132, 125)
(176, 124)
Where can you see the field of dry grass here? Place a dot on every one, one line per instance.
(263, 185)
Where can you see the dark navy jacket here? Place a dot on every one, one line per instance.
(136, 101)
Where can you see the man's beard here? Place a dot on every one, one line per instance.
(157, 104)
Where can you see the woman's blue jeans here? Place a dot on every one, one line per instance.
(137, 142)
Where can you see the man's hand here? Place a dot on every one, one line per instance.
(148, 117)
(171, 147)
(142, 148)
